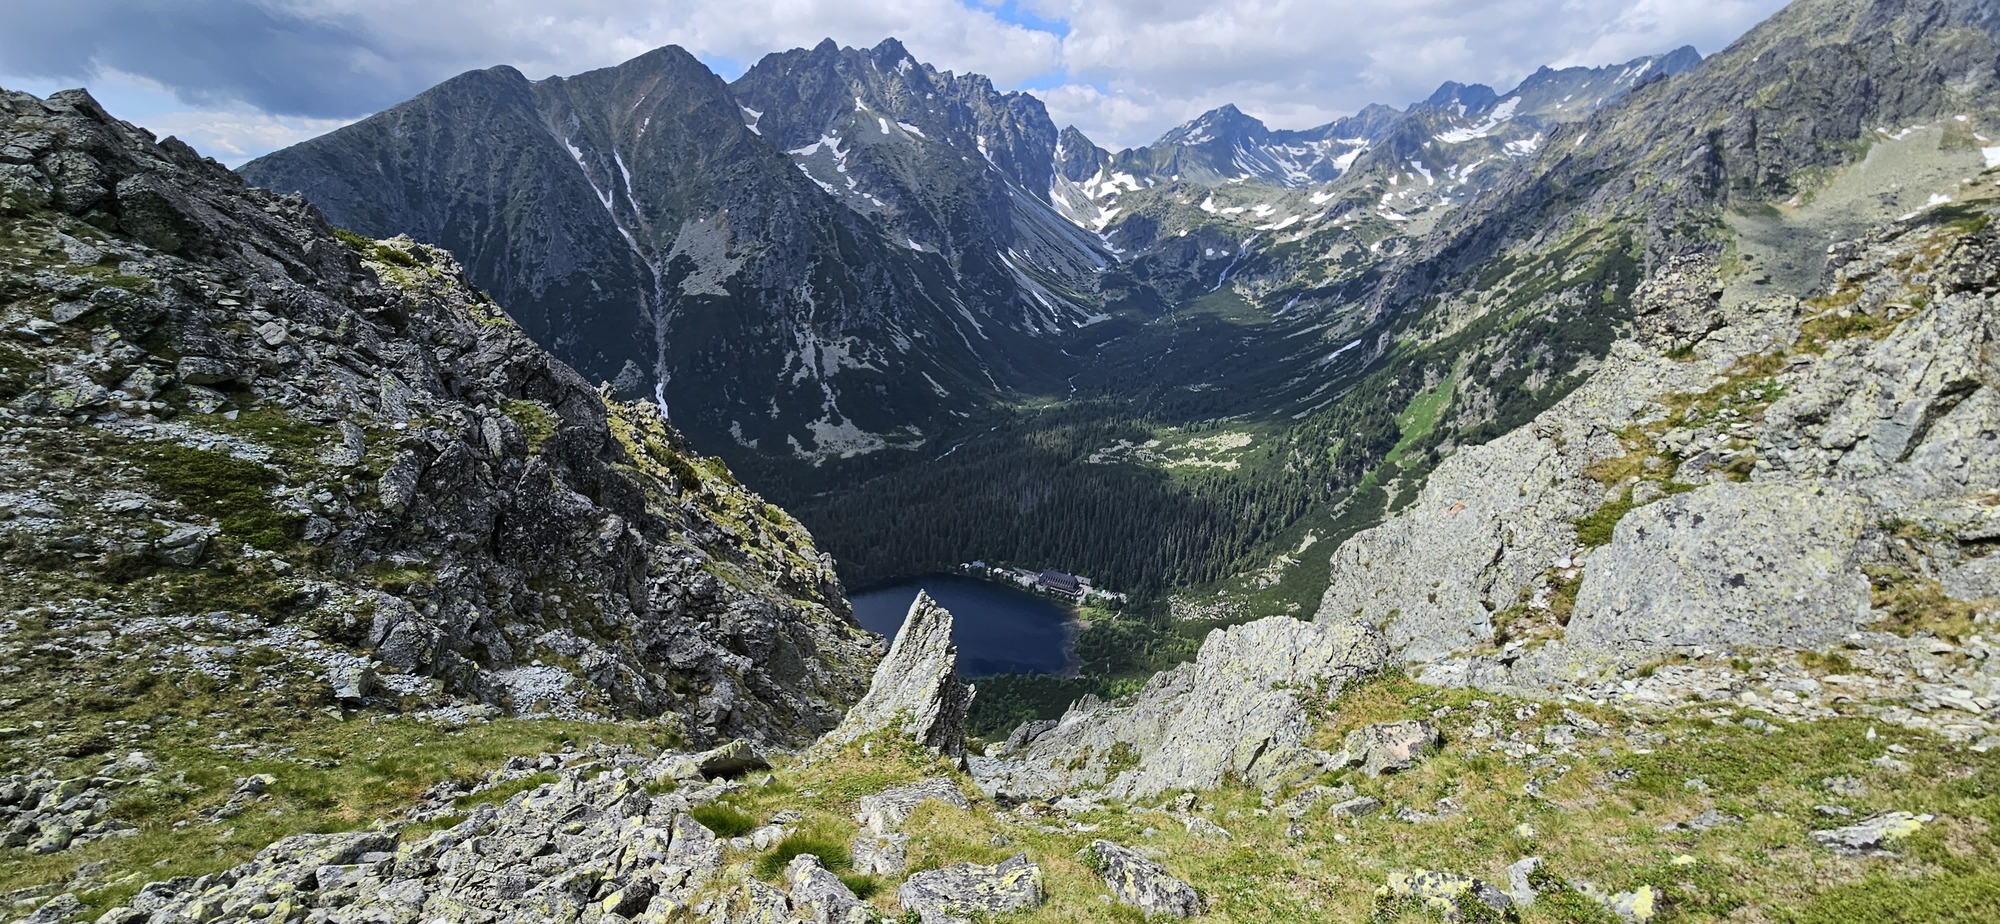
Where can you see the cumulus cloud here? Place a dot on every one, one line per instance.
(251, 73)
(343, 58)
(1296, 63)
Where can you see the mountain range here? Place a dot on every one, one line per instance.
(868, 283)
(646, 224)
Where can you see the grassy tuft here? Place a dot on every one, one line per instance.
(724, 820)
(831, 851)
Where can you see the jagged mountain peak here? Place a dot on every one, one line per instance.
(1225, 123)
(1473, 97)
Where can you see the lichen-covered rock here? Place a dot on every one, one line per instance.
(885, 811)
(1239, 709)
(957, 894)
(752, 903)
(1389, 747)
(734, 758)
(1638, 906)
(1357, 807)
(821, 895)
(1442, 891)
(588, 846)
(1872, 837)
(916, 689)
(1728, 564)
(1140, 882)
(880, 854)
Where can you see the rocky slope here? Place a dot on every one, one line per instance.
(238, 443)
(1438, 804)
(1776, 473)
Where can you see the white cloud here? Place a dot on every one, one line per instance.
(1125, 71)
(1295, 63)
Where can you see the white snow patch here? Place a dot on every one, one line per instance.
(912, 129)
(1500, 113)
(1992, 156)
(884, 123)
(1330, 357)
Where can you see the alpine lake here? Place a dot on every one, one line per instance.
(999, 629)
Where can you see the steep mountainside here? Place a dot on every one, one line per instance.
(947, 163)
(648, 234)
(239, 448)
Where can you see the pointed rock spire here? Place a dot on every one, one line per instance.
(916, 689)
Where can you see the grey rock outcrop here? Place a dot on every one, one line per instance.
(1239, 708)
(957, 894)
(1872, 837)
(1710, 568)
(593, 843)
(916, 689)
(885, 812)
(821, 896)
(1762, 494)
(1138, 881)
(1389, 747)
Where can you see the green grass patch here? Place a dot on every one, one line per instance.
(536, 423)
(1421, 417)
(503, 792)
(724, 819)
(1973, 899)
(831, 851)
(1597, 528)
(233, 491)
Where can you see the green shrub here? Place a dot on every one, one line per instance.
(1597, 528)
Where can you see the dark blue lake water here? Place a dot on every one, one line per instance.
(998, 629)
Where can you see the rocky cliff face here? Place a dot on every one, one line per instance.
(231, 434)
(1238, 711)
(1743, 474)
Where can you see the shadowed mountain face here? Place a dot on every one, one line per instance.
(636, 222)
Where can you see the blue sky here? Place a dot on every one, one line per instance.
(238, 78)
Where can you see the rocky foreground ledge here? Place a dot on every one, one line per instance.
(1397, 801)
